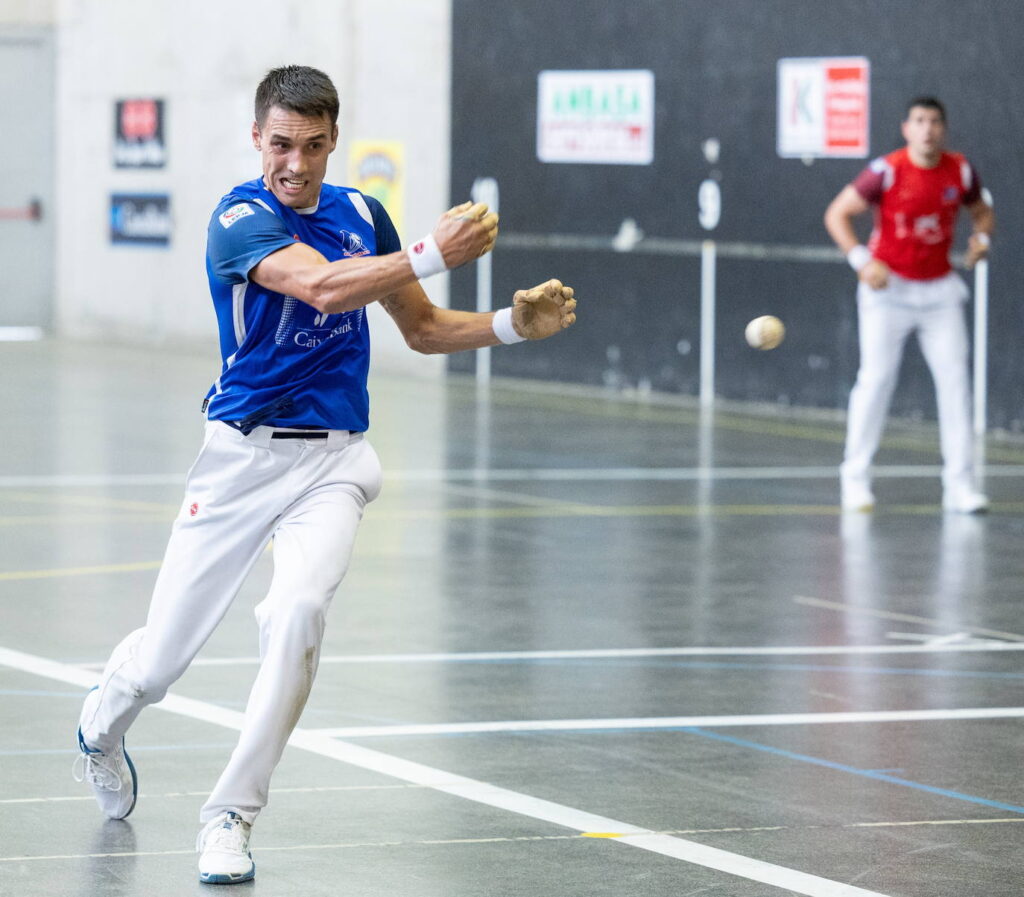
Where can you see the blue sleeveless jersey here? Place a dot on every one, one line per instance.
(284, 363)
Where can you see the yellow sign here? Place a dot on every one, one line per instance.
(377, 168)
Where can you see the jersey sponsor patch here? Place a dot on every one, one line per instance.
(352, 244)
(234, 213)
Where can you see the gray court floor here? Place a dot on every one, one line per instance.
(588, 646)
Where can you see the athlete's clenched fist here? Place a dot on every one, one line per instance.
(542, 311)
(466, 232)
(477, 211)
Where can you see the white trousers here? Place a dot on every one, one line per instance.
(308, 496)
(934, 310)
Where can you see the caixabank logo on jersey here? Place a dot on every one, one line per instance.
(139, 134)
(140, 219)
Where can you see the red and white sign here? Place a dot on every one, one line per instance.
(824, 107)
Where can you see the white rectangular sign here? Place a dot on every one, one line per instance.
(596, 116)
(824, 107)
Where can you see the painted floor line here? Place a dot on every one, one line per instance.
(672, 722)
(348, 845)
(557, 474)
(877, 775)
(57, 572)
(978, 646)
(957, 627)
(175, 794)
(482, 792)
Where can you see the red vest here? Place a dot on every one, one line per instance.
(916, 209)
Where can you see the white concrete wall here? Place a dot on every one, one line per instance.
(389, 60)
(27, 12)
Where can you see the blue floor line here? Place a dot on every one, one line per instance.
(866, 773)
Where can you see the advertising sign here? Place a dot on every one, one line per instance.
(140, 219)
(139, 134)
(596, 117)
(377, 168)
(824, 106)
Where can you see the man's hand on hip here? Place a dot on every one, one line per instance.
(875, 274)
(977, 248)
(544, 310)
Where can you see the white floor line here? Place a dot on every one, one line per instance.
(904, 618)
(555, 474)
(617, 653)
(510, 839)
(177, 794)
(675, 722)
(518, 498)
(482, 792)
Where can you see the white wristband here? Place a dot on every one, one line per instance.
(983, 238)
(858, 257)
(503, 328)
(426, 258)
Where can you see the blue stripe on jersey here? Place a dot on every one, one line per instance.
(285, 364)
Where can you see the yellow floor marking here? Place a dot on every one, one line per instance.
(694, 510)
(93, 501)
(80, 571)
(554, 510)
(109, 518)
(349, 845)
(726, 420)
(54, 572)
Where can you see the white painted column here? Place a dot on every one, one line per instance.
(708, 258)
(484, 190)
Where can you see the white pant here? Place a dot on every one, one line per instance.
(308, 495)
(934, 309)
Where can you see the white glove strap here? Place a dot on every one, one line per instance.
(426, 258)
(858, 257)
(983, 238)
(503, 328)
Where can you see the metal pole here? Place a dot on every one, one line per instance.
(980, 347)
(484, 190)
(707, 324)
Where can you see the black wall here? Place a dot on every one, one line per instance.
(715, 76)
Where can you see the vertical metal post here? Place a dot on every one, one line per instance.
(484, 190)
(980, 347)
(707, 324)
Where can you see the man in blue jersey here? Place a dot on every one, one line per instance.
(292, 264)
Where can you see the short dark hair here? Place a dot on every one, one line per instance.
(299, 88)
(926, 103)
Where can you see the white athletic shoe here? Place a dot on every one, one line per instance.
(964, 500)
(856, 495)
(112, 777)
(223, 847)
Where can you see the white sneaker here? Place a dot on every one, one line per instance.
(223, 847)
(964, 500)
(856, 495)
(112, 777)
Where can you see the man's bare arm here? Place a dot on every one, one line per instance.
(462, 234)
(537, 313)
(839, 216)
(984, 222)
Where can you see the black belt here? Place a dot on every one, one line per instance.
(299, 434)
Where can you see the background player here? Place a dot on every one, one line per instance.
(292, 263)
(907, 285)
